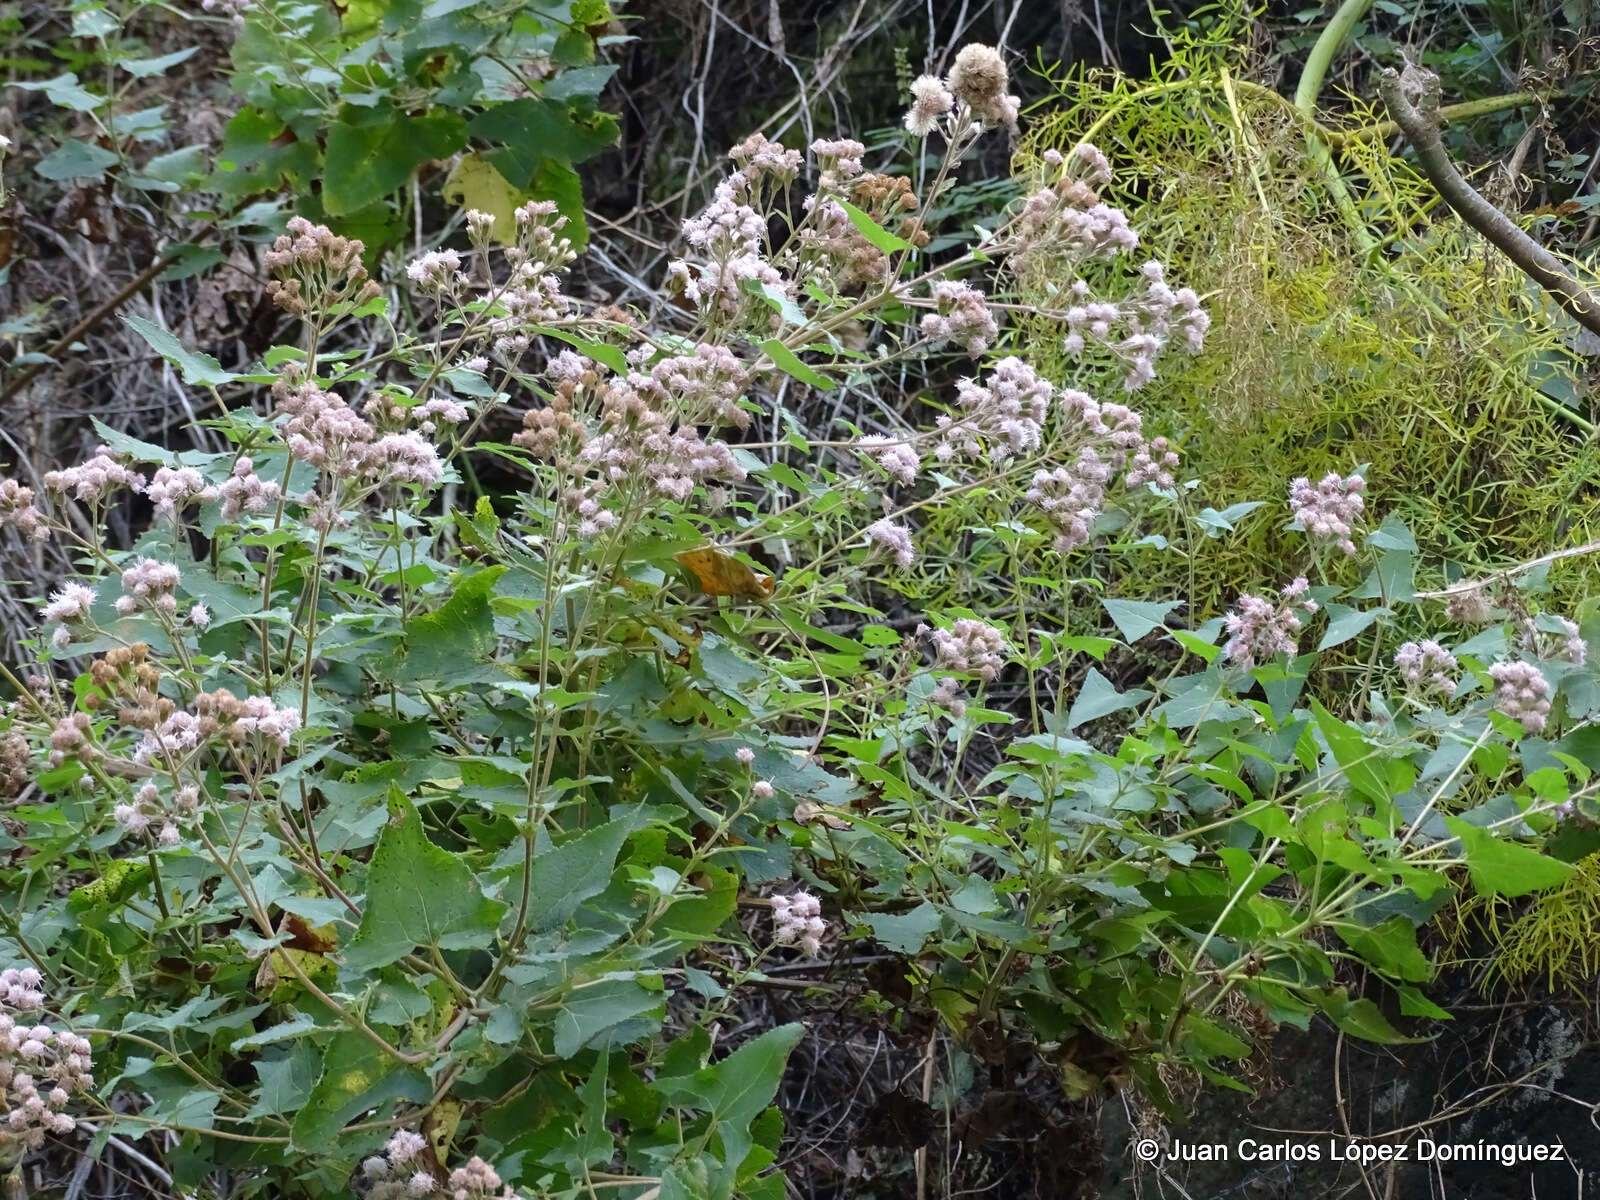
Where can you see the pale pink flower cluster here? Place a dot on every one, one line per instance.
(1522, 693)
(727, 227)
(399, 1174)
(961, 314)
(1137, 329)
(896, 456)
(761, 160)
(244, 491)
(321, 428)
(16, 769)
(95, 479)
(703, 387)
(731, 236)
(170, 737)
(838, 162)
(639, 442)
(149, 584)
(1007, 411)
(40, 1068)
(1567, 646)
(70, 604)
(69, 739)
(316, 269)
(20, 989)
(894, 539)
(970, 646)
(18, 510)
(1330, 509)
(400, 458)
(797, 921)
(262, 718)
(148, 810)
(437, 271)
(532, 295)
(1071, 497)
(1260, 630)
(172, 490)
(1111, 439)
(1427, 666)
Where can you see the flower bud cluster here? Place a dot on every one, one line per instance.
(149, 584)
(1427, 666)
(400, 1172)
(16, 771)
(1259, 630)
(894, 539)
(961, 314)
(315, 270)
(18, 511)
(1007, 413)
(172, 490)
(95, 479)
(40, 1068)
(1567, 646)
(972, 647)
(167, 816)
(243, 491)
(1522, 693)
(1330, 510)
(797, 921)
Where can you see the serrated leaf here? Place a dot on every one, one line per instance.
(356, 1076)
(197, 370)
(373, 151)
(1135, 618)
(1504, 868)
(420, 895)
(75, 160)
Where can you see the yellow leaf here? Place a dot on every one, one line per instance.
(476, 184)
(721, 574)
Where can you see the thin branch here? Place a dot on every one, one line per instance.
(1413, 99)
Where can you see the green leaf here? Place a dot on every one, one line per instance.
(198, 370)
(419, 895)
(1099, 697)
(64, 91)
(736, 1090)
(286, 1082)
(567, 875)
(1361, 1018)
(1345, 623)
(1502, 868)
(1135, 618)
(373, 151)
(536, 128)
(1390, 947)
(356, 1076)
(880, 237)
(591, 1011)
(143, 68)
(905, 933)
(457, 636)
(790, 365)
(601, 352)
(75, 160)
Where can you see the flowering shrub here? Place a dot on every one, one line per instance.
(427, 826)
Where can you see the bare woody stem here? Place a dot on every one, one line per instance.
(1413, 100)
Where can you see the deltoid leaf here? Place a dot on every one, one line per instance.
(286, 1082)
(736, 1090)
(568, 874)
(356, 1076)
(75, 160)
(1135, 618)
(198, 370)
(595, 1010)
(459, 635)
(1504, 868)
(1098, 697)
(537, 127)
(373, 151)
(905, 933)
(420, 895)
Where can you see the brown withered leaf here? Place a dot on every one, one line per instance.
(808, 812)
(899, 1120)
(721, 574)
